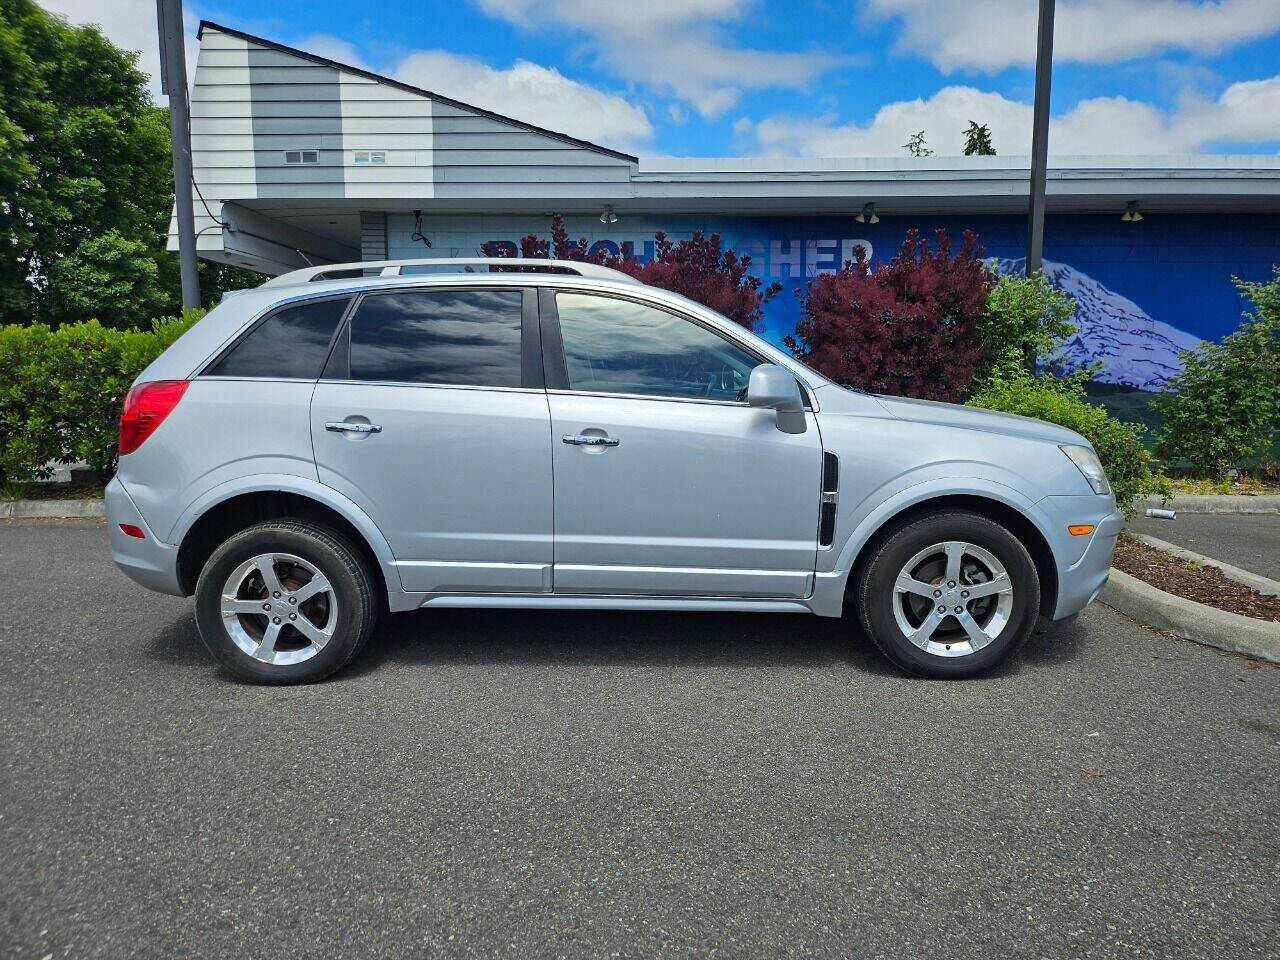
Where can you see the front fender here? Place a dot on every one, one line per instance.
(858, 523)
(302, 486)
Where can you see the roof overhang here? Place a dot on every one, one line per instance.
(764, 187)
(959, 184)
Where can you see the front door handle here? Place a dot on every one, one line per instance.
(343, 426)
(583, 440)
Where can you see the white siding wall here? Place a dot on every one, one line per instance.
(221, 133)
(380, 117)
(252, 102)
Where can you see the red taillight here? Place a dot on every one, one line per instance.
(132, 530)
(145, 407)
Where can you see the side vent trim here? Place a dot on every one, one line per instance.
(830, 499)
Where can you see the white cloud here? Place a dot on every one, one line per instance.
(1247, 111)
(332, 48)
(130, 24)
(994, 34)
(532, 93)
(675, 47)
(941, 117)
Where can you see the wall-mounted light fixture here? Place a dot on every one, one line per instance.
(868, 214)
(607, 215)
(1131, 212)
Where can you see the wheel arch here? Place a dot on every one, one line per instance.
(206, 525)
(1018, 522)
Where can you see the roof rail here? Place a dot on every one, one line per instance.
(391, 268)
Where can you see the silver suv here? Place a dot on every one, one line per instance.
(347, 440)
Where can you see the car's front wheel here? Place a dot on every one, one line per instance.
(948, 594)
(285, 601)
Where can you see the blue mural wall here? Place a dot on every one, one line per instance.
(1144, 290)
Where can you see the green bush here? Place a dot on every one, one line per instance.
(1133, 471)
(1224, 407)
(61, 391)
(1023, 312)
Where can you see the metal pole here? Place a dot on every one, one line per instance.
(1040, 138)
(1039, 154)
(173, 81)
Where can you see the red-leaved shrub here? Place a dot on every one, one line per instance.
(908, 328)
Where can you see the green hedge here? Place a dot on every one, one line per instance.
(1130, 467)
(61, 390)
(1222, 410)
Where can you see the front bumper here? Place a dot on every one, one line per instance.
(144, 560)
(1083, 573)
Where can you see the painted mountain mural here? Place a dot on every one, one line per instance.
(1134, 348)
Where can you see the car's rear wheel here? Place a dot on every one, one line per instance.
(948, 594)
(285, 601)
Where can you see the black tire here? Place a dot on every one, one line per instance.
(352, 593)
(879, 607)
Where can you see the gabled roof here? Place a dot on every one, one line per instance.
(409, 88)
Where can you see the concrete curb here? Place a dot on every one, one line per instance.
(1217, 503)
(62, 509)
(1190, 620)
(1247, 578)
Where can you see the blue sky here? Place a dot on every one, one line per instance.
(824, 78)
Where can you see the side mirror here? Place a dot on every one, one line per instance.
(772, 386)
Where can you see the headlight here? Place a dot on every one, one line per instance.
(1089, 464)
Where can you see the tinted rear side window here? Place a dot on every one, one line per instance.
(290, 344)
(452, 337)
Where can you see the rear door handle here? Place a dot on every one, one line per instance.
(583, 440)
(343, 426)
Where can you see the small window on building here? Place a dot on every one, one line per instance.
(463, 337)
(301, 156)
(291, 344)
(370, 156)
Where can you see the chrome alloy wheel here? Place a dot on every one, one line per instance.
(278, 608)
(952, 599)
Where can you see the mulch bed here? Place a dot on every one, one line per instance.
(1205, 585)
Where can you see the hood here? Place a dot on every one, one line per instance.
(955, 415)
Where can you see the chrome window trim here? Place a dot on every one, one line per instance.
(217, 378)
(427, 386)
(647, 396)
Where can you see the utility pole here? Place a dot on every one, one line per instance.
(1040, 137)
(1039, 151)
(173, 81)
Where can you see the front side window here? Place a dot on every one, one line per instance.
(617, 346)
(291, 344)
(448, 337)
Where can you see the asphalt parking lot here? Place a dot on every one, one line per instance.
(588, 785)
(1250, 541)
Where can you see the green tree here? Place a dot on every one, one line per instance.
(110, 278)
(916, 146)
(1022, 313)
(1223, 408)
(85, 175)
(977, 141)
